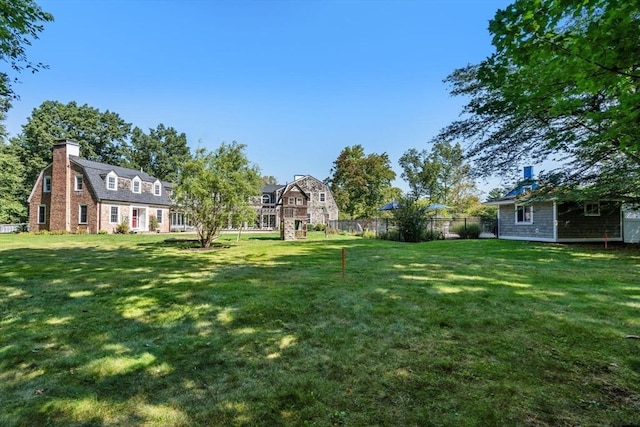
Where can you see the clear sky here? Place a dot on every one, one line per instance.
(295, 81)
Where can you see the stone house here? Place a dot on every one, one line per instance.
(73, 194)
(320, 206)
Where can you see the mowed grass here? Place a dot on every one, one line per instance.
(111, 330)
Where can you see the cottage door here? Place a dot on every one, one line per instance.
(134, 217)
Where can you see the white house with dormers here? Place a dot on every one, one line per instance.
(73, 194)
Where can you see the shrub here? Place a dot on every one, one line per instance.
(320, 227)
(122, 228)
(102, 232)
(368, 234)
(411, 219)
(470, 231)
(153, 223)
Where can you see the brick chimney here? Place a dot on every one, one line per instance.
(62, 184)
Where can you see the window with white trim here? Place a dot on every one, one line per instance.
(114, 215)
(323, 197)
(524, 214)
(592, 209)
(79, 183)
(266, 199)
(157, 188)
(135, 185)
(292, 200)
(112, 181)
(159, 215)
(42, 214)
(46, 184)
(82, 215)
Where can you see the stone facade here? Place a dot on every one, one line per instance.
(321, 205)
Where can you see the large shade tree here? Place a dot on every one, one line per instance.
(12, 190)
(441, 174)
(215, 188)
(102, 135)
(563, 84)
(161, 153)
(360, 182)
(21, 22)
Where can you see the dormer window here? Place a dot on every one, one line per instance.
(79, 183)
(136, 185)
(157, 188)
(266, 199)
(112, 181)
(46, 184)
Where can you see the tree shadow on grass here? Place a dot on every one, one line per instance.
(149, 334)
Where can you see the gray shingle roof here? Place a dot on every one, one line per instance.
(95, 174)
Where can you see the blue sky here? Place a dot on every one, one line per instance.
(295, 81)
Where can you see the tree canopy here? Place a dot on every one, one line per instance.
(215, 188)
(103, 136)
(12, 190)
(441, 174)
(360, 182)
(21, 21)
(562, 85)
(161, 153)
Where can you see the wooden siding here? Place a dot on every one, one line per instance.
(574, 224)
(541, 228)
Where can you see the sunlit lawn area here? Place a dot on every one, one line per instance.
(112, 330)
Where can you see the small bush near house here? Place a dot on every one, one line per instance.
(153, 223)
(122, 228)
(470, 231)
(320, 227)
(103, 232)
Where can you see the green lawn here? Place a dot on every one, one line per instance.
(111, 330)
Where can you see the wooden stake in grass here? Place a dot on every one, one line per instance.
(343, 263)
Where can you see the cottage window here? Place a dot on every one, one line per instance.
(82, 216)
(592, 209)
(135, 185)
(46, 184)
(112, 182)
(159, 215)
(157, 188)
(114, 215)
(524, 214)
(79, 183)
(292, 200)
(299, 201)
(322, 197)
(266, 199)
(42, 214)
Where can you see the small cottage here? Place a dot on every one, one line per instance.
(521, 217)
